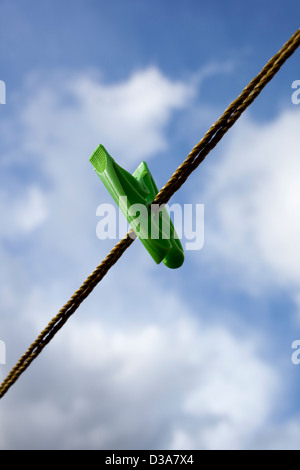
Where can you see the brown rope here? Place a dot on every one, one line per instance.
(195, 157)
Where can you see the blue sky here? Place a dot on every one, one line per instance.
(195, 358)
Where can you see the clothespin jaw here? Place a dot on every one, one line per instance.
(134, 195)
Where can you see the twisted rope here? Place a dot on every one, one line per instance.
(193, 160)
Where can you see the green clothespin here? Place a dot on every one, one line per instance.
(134, 195)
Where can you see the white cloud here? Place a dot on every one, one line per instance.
(151, 385)
(79, 112)
(31, 212)
(131, 116)
(281, 436)
(22, 212)
(254, 198)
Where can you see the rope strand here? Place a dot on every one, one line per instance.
(193, 160)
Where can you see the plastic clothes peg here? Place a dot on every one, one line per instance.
(135, 194)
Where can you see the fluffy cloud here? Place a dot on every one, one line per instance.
(282, 436)
(254, 198)
(169, 383)
(27, 211)
(129, 118)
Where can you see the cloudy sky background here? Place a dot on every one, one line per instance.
(195, 358)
